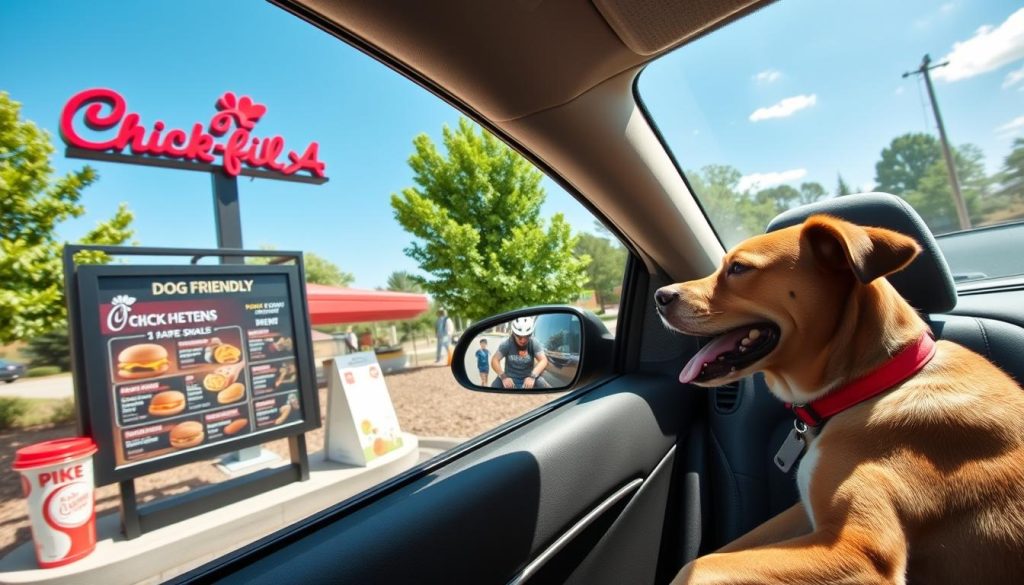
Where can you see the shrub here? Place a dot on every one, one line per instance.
(63, 412)
(11, 409)
(50, 349)
(41, 371)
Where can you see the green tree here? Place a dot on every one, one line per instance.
(717, 189)
(50, 349)
(912, 166)
(905, 162)
(402, 281)
(32, 204)
(319, 270)
(933, 198)
(811, 192)
(778, 198)
(736, 215)
(475, 211)
(842, 189)
(1011, 176)
(607, 265)
(556, 341)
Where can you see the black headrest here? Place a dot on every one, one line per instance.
(927, 283)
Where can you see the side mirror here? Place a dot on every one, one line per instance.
(563, 346)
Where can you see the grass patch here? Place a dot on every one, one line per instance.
(11, 411)
(41, 371)
(25, 412)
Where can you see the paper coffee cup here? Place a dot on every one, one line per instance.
(56, 477)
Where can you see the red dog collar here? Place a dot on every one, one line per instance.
(903, 365)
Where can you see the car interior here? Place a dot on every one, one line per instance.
(631, 475)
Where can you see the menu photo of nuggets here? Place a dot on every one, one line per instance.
(276, 410)
(227, 423)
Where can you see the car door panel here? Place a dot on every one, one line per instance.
(484, 517)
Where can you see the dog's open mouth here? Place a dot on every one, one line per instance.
(730, 352)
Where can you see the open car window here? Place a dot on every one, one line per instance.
(806, 100)
(418, 201)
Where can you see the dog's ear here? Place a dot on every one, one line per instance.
(868, 251)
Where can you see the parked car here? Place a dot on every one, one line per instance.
(10, 371)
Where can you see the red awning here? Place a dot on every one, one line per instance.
(331, 305)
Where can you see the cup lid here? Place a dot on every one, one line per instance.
(53, 452)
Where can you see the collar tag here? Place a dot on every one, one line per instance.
(791, 450)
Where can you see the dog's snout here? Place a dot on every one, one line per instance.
(665, 296)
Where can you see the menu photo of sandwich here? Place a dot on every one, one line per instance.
(186, 434)
(142, 360)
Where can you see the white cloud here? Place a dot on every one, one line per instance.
(766, 180)
(900, 90)
(990, 48)
(784, 108)
(768, 76)
(947, 7)
(1012, 127)
(1013, 78)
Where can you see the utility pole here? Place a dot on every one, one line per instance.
(954, 183)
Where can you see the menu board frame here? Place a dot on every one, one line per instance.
(94, 381)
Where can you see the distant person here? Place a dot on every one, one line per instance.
(444, 328)
(524, 357)
(351, 341)
(482, 357)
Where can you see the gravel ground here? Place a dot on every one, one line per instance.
(427, 400)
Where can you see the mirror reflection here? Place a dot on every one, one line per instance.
(539, 352)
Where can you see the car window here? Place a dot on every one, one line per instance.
(418, 200)
(825, 99)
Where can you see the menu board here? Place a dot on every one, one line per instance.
(206, 357)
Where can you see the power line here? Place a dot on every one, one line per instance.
(954, 183)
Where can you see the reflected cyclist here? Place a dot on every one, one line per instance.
(524, 357)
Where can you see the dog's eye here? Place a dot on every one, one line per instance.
(738, 268)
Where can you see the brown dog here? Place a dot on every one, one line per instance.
(923, 482)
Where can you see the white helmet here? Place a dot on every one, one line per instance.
(523, 326)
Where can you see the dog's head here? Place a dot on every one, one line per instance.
(782, 301)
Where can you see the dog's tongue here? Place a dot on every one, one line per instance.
(724, 343)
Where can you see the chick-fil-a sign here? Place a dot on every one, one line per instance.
(228, 135)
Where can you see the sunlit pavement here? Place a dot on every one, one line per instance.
(59, 386)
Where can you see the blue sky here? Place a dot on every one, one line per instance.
(806, 89)
(172, 60)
